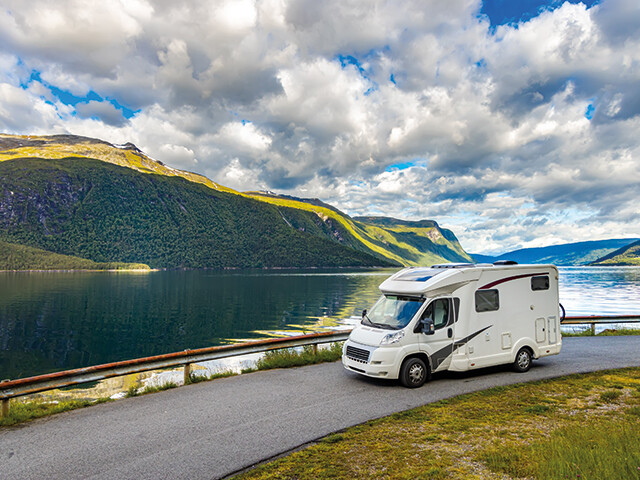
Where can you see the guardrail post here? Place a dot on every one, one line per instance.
(4, 410)
(315, 349)
(593, 328)
(187, 373)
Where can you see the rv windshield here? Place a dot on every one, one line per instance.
(393, 311)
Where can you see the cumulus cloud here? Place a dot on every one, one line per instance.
(514, 135)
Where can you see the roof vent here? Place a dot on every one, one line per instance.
(505, 262)
(454, 265)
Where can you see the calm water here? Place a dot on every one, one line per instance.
(57, 321)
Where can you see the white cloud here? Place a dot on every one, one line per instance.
(319, 99)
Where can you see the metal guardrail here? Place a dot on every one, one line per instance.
(25, 386)
(594, 320)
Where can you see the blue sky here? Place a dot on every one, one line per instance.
(514, 123)
(501, 12)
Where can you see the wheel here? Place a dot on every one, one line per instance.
(523, 360)
(413, 373)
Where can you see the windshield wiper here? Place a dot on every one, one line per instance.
(366, 320)
(383, 325)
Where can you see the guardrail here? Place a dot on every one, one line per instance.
(25, 386)
(594, 320)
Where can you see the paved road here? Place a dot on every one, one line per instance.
(212, 429)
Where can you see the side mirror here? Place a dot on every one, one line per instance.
(364, 313)
(427, 327)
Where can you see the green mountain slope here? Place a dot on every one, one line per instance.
(419, 243)
(628, 255)
(21, 257)
(388, 241)
(104, 212)
(580, 253)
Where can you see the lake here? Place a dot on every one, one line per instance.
(52, 321)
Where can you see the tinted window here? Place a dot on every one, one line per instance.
(540, 283)
(487, 300)
(438, 311)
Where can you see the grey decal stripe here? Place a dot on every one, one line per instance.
(438, 357)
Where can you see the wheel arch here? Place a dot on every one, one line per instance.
(524, 343)
(422, 356)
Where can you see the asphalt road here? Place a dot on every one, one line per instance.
(212, 429)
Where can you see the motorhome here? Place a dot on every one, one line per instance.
(457, 317)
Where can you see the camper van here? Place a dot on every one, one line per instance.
(457, 317)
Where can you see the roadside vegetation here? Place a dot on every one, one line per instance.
(605, 333)
(291, 357)
(25, 411)
(577, 427)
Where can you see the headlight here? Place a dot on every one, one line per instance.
(392, 338)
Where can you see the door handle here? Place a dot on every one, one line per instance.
(450, 333)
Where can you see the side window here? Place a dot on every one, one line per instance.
(487, 300)
(438, 311)
(540, 282)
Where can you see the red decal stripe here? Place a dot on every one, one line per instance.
(508, 279)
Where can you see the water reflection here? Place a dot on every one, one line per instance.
(57, 321)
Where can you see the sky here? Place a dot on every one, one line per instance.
(513, 123)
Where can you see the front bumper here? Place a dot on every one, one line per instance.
(379, 362)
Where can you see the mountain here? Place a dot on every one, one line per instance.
(628, 255)
(85, 197)
(421, 242)
(104, 212)
(580, 253)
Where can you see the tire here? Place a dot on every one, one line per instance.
(414, 373)
(523, 360)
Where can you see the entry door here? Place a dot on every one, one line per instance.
(439, 346)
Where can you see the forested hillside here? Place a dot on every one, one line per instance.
(627, 255)
(104, 212)
(22, 257)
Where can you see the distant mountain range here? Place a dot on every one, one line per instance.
(628, 255)
(104, 203)
(580, 253)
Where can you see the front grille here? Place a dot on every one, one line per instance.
(357, 354)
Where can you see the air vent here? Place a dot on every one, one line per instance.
(505, 262)
(454, 265)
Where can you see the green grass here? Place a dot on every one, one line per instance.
(290, 357)
(605, 333)
(582, 426)
(25, 411)
(607, 450)
(159, 388)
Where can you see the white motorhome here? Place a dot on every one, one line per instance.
(457, 317)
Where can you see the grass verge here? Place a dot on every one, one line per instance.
(605, 333)
(291, 357)
(581, 427)
(25, 411)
